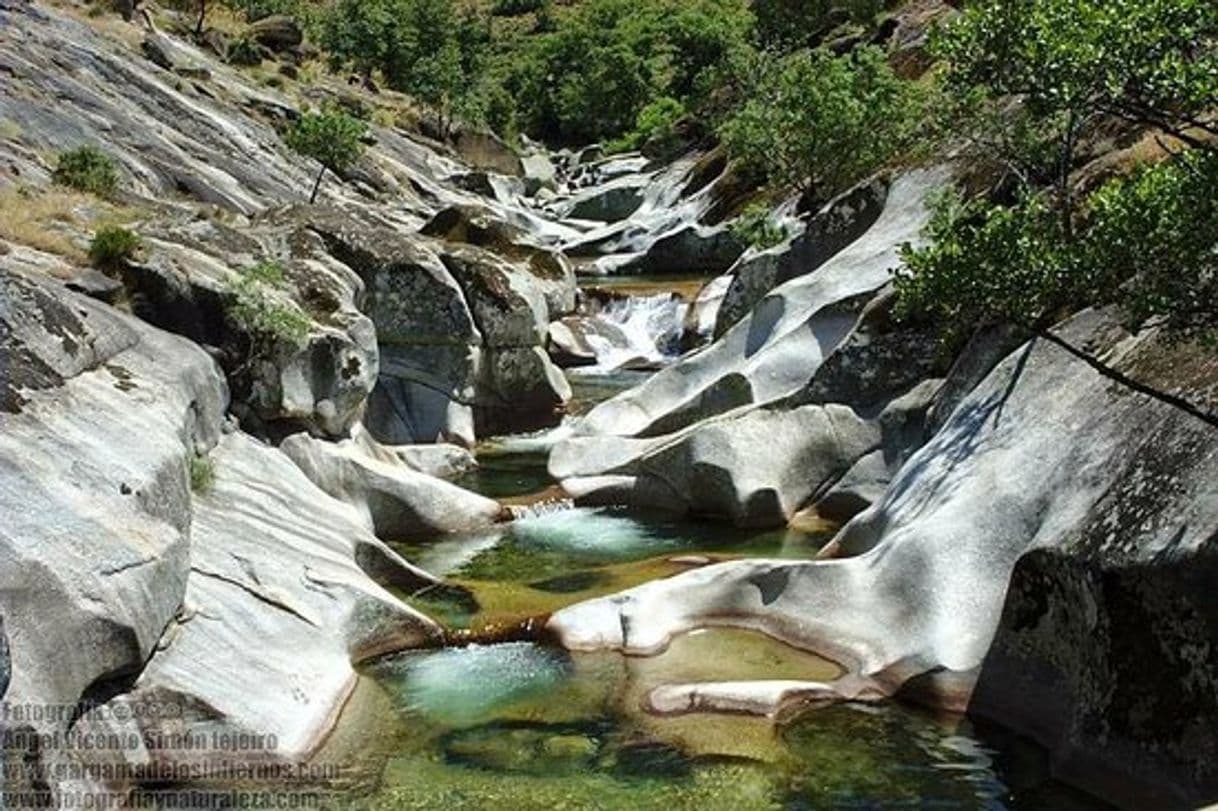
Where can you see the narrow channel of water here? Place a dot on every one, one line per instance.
(524, 726)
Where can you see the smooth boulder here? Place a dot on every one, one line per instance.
(393, 501)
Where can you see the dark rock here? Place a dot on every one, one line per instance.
(277, 33)
(689, 249)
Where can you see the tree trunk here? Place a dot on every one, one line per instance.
(1127, 381)
(317, 186)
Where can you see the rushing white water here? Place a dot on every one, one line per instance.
(644, 330)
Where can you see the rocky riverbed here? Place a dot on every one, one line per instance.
(722, 512)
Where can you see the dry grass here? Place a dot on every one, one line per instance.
(47, 219)
(10, 130)
(41, 220)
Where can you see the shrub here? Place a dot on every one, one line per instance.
(244, 51)
(756, 227)
(1151, 242)
(202, 474)
(1148, 243)
(255, 304)
(332, 137)
(88, 169)
(513, 8)
(656, 124)
(820, 122)
(112, 246)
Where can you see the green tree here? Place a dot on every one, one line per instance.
(819, 122)
(607, 60)
(360, 34)
(1071, 62)
(331, 137)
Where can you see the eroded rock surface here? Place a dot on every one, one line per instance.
(1027, 550)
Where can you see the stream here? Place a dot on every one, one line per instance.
(519, 725)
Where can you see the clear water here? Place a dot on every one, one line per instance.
(521, 726)
(538, 564)
(525, 726)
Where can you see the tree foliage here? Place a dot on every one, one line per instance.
(428, 48)
(1044, 71)
(331, 137)
(1070, 62)
(608, 60)
(1147, 243)
(817, 121)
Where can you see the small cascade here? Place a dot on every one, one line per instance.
(615, 330)
(538, 509)
(635, 332)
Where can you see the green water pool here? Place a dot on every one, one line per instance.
(521, 726)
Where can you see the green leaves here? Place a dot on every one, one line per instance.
(1148, 244)
(608, 60)
(112, 246)
(817, 121)
(87, 169)
(1148, 60)
(427, 48)
(331, 137)
(258, 304)
(1153, 238)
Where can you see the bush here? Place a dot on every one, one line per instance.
(655, 124)
(513, 8)
(87, 169)
(202, 474)
(820, 122)
(112, 246)
(332, 137)
(255, 305)
(755, 227)
(244, 51)
(1148, 243)
(1151, 242)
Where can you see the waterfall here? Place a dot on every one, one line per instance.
(633, 331)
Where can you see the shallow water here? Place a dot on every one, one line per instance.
(521, 726)
(543, 562)
(524, 726)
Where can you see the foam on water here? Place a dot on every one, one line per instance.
(460, 686)
(588, 532)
